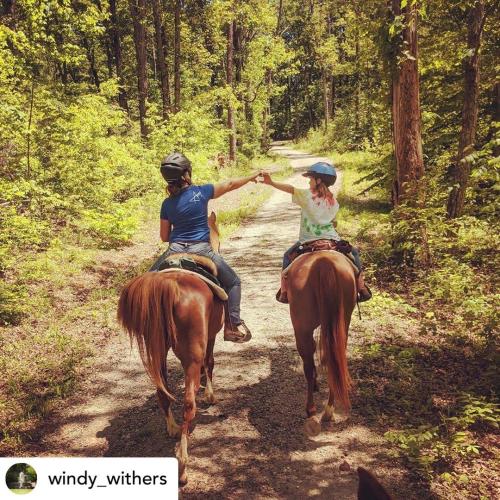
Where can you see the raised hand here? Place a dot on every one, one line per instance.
(266, 177)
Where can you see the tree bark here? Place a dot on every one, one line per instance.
(138, 12)
(177, 56)
(94, 75)
(231, 124)
(332, 97)
(160, 56)
(406, 111)
(408, 188)
(495, 115)
(117, 53)
(326, 104)
(460, 170)
(357, 126)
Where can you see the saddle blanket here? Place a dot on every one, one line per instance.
(302, 255)
(216, 289)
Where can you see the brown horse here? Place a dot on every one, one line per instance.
(174, 310)
(322, 292)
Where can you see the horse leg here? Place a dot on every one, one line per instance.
(172, 428)
(305, 346)
(209, 368)
(192, 381)
(315, 373)
(328, 412)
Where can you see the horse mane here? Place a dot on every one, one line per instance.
(146, 304)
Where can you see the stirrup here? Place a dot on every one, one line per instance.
(364, 295)
(281, 297)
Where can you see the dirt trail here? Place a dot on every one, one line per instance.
(251, 443)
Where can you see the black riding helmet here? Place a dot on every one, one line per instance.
(174, 166)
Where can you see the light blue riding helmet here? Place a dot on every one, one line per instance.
(323, 171)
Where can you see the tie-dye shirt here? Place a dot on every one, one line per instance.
(316, 219)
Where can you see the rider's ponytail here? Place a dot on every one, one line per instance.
(322, 191)
(175, 187)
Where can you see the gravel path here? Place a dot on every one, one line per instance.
(251, 443)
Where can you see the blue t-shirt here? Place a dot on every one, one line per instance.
(188, 213)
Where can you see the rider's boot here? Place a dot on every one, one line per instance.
(236, 333)
(364, 293)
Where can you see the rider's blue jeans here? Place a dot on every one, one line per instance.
(287, 261)
(225, 274)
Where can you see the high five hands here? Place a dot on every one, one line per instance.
(263, 177)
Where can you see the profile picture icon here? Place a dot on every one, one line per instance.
(21, 478)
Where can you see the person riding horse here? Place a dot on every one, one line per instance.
(319, 209)
(184, 224)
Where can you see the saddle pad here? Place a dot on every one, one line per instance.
(354, 267)
(218, 291)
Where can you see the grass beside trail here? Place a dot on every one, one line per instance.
(425, 373)
(69, 310)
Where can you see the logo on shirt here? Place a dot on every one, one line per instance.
(196, 197)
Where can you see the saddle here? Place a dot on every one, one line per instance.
(195, 264)
(342, 246)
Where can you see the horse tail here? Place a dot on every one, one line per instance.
(145, 310)
(334, 328)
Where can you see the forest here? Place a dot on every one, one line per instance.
(403, 95)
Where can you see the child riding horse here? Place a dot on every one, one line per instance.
(319, 209)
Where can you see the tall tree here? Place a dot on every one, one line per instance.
(138, 12)
(160, 57)
(406, 106)
(231, 123)
(461, 168)
(177, 55)
(114, 28)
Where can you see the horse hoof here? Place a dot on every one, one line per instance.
(209, 399)
(183, 479)
(174, 433)
(328, 414)
(182, 472)
(312, 426)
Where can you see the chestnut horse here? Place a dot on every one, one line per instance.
(322, 292)
(174, 310)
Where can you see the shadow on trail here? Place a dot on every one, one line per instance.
(273, 460)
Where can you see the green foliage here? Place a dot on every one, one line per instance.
(197, 134)
(31, 386)
(431, 448)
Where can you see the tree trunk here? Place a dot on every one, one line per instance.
(160, 55)
(89, 49)
(495, 115)
(406, 111)
(357, 89)
(138, 11)
(280, 15)
(177, 56)
(460, 170)
(408, 188)
(326, 104)
(231, 124)
(332, 97)
(117, 52)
